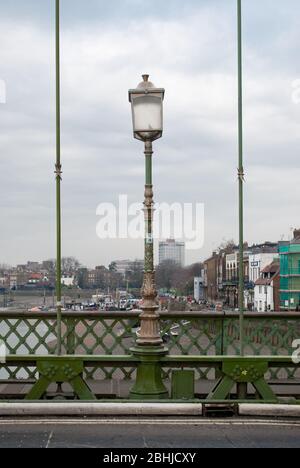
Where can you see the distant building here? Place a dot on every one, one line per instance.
(221, 272)
(214, 275)
(123, 266)
(68, 280)
(13, 281)
(35, 278)
(92, 279)
(231, 284)
(259, 261)
(199, 288)
(290, 273)
(210, 278)
(103, 275)
(33, 266)
(3, 281)
(22, 278)
(173, 251)
(98, 278)
(266, 290)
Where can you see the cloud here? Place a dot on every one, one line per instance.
(191, 51)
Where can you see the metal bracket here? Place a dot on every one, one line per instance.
(58, 171)
(241, 371)
(60, 371)
(241, 174)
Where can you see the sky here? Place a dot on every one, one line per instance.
(189, 48)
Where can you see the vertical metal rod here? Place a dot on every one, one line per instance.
(149, 251)
(149, 260)
(58, 178)
(241, 178)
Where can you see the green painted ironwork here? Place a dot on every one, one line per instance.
(60, 370)
(149, 383)
(243, 371)
(241, 177)
(58, 177)
(183, 384)
(235, 371)
(148, 207)
(148, 169)
(113, 334)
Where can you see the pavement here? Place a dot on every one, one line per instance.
(149, 433)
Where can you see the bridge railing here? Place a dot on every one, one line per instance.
(113, 334)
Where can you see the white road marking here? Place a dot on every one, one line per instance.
(145, 442)
(49, 439)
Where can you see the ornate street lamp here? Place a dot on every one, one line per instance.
(147, 117)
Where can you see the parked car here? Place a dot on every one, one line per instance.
(123, 304)
(165, 336)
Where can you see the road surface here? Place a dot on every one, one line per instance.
(144, 433)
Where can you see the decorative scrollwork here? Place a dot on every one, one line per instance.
(58, 171)
(149, 290)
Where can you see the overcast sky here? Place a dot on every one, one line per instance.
(189, 48)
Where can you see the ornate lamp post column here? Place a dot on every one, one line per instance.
(150, 333)
(147, 116)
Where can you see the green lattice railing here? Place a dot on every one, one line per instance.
(198, 334)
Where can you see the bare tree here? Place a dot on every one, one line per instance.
(227, 245)
(113, 267)
(170, 275)
(50, 265)
(70, 264)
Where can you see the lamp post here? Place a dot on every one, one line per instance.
(241, 174)
(58, 177)
(241, 387)
(147, 118)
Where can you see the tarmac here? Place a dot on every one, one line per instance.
(148, 433)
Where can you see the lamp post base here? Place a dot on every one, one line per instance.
(149, 384)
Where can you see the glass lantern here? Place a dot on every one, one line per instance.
(147, 110)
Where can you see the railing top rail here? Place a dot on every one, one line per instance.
(68, 314)
(135, 314)
(168, 359)
(229, 314)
